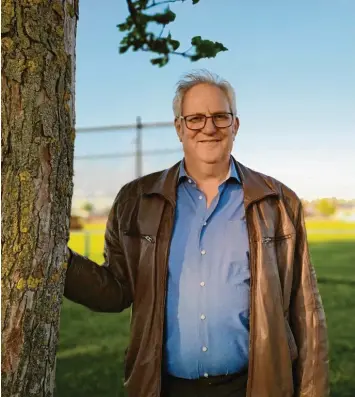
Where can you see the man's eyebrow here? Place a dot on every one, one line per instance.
(196, 114)
(212, 113)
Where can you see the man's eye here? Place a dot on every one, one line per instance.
(196, 119)
(221, 116)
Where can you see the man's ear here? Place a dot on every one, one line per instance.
(235, 127)
(178, 128)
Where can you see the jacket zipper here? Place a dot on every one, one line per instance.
(251, 295)
(150, 239)
(266, 240)
(147, 237)
(251, 314)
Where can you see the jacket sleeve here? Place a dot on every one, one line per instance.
(102, 288)
(308, 323)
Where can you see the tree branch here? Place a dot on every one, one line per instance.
(139, 38)
(133, 12)
(183, 54)
(162, 31)
(154, 4)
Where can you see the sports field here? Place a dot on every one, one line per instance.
(90, 354)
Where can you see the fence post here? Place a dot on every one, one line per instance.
(86, 243)
(139, 127)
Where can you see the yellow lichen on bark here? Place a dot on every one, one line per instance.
(31, 66)
(59, 30)
(33, 283)
(21, 284)
(70, 10)
(24, 176)
(7, 14)
(67, 96)
(72, 134)
(7, 44)
(58, 8)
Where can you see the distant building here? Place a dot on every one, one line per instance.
(345, 214)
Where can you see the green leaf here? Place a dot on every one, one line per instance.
(160, 46)
(175, 44)
(123, 49)
(138, 38)
(142, 4)
(220, 46)
(194, 58)
(163, 18)
(206, 48)
(160, 61)
(196, 40)
(122, 27)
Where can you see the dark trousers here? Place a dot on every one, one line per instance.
(215, 386)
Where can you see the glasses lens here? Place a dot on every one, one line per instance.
(195, 122)
(222, 120)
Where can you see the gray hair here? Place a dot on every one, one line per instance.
(202, 76)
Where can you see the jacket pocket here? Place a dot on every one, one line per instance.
(266, 240)
(291, 342)
(147, 237)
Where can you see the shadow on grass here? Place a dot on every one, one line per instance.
(324, 280)
(344, 388)
(87, 375)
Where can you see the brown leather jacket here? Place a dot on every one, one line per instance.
(288, 351)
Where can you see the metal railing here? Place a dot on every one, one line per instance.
(139, 153)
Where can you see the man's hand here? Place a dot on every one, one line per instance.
(68, 255)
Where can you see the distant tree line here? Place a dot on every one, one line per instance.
(327, 206)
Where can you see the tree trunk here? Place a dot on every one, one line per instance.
(38, 66)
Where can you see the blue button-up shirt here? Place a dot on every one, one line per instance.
(207, 307)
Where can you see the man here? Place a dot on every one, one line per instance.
(213, 258)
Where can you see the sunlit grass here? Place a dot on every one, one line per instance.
(91, 351)
(91, 239)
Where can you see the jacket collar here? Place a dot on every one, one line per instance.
(256, 186)
(233, 172)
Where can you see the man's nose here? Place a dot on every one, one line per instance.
(210, 128)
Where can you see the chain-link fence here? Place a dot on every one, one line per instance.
(108, 157)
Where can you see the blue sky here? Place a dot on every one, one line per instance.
(292, 65)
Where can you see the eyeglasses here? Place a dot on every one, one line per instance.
(198, 121)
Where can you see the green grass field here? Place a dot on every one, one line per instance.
(90, 355)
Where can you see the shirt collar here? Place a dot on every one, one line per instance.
(232, 174)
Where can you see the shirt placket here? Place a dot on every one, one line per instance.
(204, 251)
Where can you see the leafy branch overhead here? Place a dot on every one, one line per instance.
(139, 38)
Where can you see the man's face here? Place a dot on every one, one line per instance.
(209, 143)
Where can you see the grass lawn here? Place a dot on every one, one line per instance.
(90, 355)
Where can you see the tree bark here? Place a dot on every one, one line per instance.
(37, 144)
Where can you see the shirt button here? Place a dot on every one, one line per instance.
(205, 375)
(203, 252)
(202, 283)
(202, 317)
(204, 349)
(205, 224)
(189, 180)
(200, 197)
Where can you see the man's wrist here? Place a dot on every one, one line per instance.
(69, 256)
